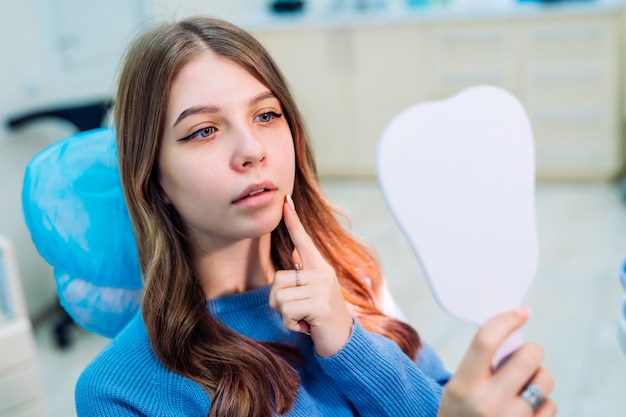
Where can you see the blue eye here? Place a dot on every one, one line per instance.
(267, 117)
(205, 132)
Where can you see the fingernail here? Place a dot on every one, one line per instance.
(523, 312)
(290, 202)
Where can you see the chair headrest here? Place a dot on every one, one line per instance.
(78, 220)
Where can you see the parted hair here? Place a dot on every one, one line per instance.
(243, 377)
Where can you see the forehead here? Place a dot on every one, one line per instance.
(211, 77)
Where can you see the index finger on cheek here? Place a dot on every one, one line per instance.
(307, 251)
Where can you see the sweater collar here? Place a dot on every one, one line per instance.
(244, 301)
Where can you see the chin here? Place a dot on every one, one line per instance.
(263, 227)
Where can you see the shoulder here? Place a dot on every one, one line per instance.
(430, 363)
(127, 379)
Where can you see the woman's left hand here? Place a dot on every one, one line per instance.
(476, 390)
(310, 300)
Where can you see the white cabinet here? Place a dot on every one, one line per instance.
(572, 90)
(348, 84)
(21, 392)
(565, 67)
(315, 63)
(385, 79)
(462, 55)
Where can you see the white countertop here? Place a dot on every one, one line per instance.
(398, 13)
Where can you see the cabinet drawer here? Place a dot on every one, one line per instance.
(554, 164)
(467, 38)
(602, 136)
(587, 117)
(16, 343)
(454, 77)
(576, 38)
(552, 98)
(590, 117)
(576, 162)
(461, 56)
(596, 74)
(573, 155)
(20, 385)
(584, 151)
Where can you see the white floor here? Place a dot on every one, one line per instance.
(574, 298)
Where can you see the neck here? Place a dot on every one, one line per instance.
(235, 268)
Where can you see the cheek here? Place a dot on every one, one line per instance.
(164, 183)
(287, 150)
(177, 179)
(168, 181)
(288, 162)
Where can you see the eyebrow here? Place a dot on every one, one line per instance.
(214, 109)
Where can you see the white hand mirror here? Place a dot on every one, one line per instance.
(459, 177)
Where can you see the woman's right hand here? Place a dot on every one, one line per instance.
(476, 390)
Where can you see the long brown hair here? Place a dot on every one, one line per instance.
(243, 377)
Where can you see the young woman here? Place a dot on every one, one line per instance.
(257, 302)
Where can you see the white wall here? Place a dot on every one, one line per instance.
(25, 82)
(226, 9)
(59, 52)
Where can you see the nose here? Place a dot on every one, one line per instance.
(249, 150)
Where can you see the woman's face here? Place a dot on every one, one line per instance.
(226, 159)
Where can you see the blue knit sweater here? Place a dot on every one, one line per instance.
(370, 376)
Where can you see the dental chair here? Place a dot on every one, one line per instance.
(75, 212)
(83, 116)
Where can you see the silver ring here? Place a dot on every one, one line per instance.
(532, 395)
(298, 268)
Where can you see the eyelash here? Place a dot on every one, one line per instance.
(199, 132)
(209, 130)
(271, 113)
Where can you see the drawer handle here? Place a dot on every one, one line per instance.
(571, 154)
(569, 75)
(487, 37)
(570, 34)
(462, 78)
(576, 116)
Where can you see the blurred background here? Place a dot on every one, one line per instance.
(353, 65)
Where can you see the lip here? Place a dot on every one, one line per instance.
(245, 194)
